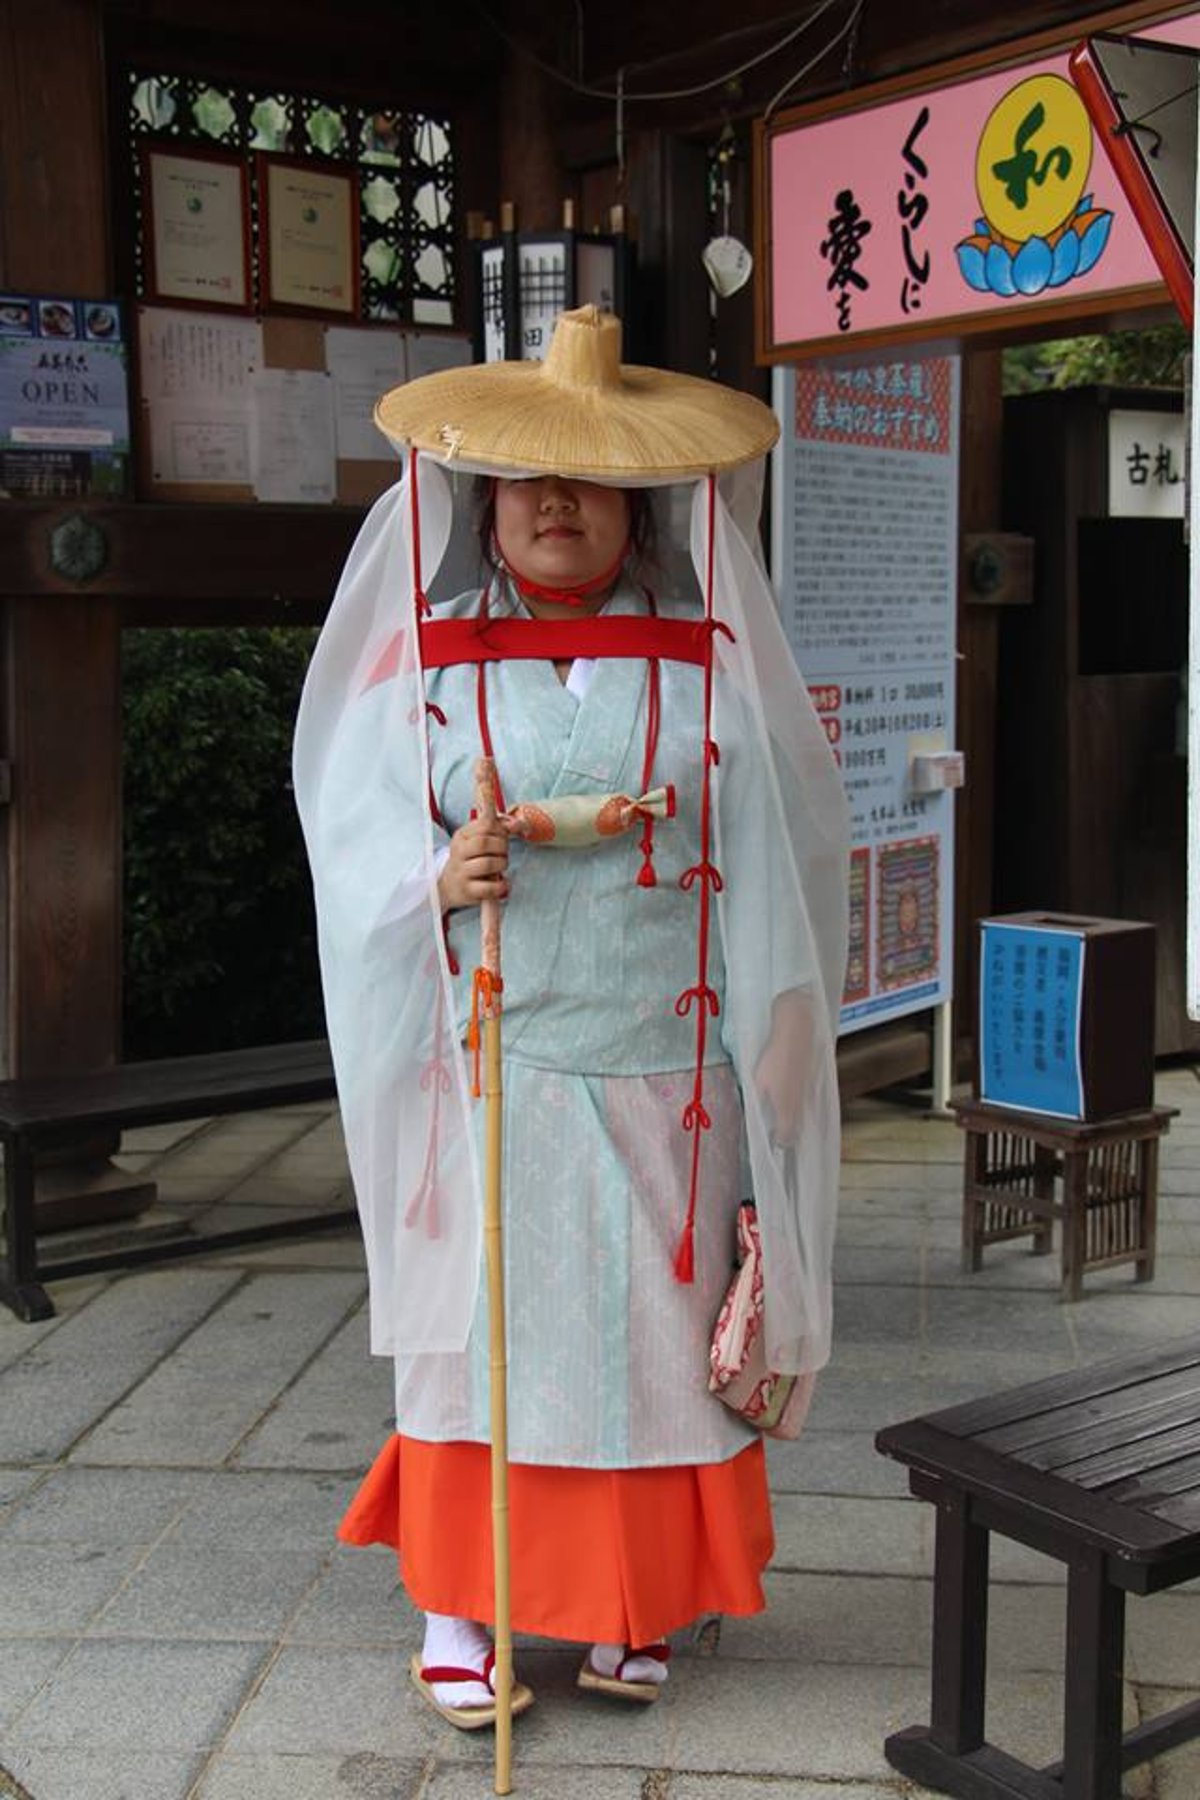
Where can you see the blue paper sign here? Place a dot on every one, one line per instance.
(64, 401)
(1031, 1007)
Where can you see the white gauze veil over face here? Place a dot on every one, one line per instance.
(363, 789)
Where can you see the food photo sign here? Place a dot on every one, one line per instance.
(976, 201)
(64, 398)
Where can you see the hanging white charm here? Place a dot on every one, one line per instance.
(727, 263)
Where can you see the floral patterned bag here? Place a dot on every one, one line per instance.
(775, 1404)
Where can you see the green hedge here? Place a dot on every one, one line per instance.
(220, 941)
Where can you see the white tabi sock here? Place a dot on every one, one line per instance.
(456, 1644)
(606, 1660)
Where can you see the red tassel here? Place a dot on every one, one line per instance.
(646, 876)
(685, 1254)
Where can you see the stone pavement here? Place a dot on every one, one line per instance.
(176, 1446)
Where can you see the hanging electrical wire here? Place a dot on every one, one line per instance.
(623, 94)
(844, 32)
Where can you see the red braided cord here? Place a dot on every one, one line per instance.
(707, 876)
(485, 731)
(419, 594)
(646, 875)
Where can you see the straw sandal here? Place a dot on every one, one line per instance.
(466, 1718)
(644, 1692)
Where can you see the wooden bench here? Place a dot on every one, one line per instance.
(1022, 1171)
(43, 1113)
(1100, 1469)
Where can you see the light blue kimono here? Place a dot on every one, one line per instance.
(608, 1352)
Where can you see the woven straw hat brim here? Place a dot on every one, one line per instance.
(508, 416)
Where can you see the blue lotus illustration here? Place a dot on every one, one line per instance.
(991, 265)
(1039, 227)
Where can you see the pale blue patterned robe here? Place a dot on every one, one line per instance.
(607, 1350)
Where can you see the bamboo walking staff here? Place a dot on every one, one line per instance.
(488, 988)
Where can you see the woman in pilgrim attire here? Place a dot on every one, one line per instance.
(669, 991)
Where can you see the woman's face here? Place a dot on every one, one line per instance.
(561, 533)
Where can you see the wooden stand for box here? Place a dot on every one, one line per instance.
(1022, 1171)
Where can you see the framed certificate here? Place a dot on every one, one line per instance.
(308, 236)
(196, 210)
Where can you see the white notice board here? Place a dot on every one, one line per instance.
(865, 559)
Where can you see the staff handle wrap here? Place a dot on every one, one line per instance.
(489, 911)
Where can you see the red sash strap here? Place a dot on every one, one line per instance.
(445, 642)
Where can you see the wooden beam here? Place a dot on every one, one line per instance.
(160, 556)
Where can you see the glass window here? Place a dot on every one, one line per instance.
(407, 224)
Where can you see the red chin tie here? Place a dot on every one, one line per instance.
(576, 594)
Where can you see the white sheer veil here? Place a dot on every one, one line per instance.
(361, 775)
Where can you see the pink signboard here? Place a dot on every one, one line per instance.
(973, 204)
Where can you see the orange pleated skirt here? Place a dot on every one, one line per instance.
(619, 1556)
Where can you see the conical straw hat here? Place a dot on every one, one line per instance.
(581, 412)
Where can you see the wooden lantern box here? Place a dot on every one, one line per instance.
(1066, 1015)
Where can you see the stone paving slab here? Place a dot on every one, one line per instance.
(220, 1214)
(19, 1336)
(70, 1376)
(200, 1404)
(736, 1787)
(772, 1718)
(239, 1145)
(102, 1506)
(50, 1774)
(268, 1192)
(25, 1667)
(836, 1618)
(565, 1782)
(865, 1402)
(858, 1265)
(186, 1594)
(833, 1462)
(1162, 1635)
(979, 1320)
(295, 1777)
(883, 1361)
(276, 1510)
(901, 1187)
(890, 1537)
(358, 1601)
(1015, 1563)
(361, 1701)
(869, 1314)
(338, 1415)
(15, 1486)
(156, 1139)
(210, 1513)
(333, 1249)
(1112, 1324)
(955, 1369)
(52, 1589)
(865, 1228)
(167, 1697)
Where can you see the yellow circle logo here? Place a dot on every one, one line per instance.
(1034, 157)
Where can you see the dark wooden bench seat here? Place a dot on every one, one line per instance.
(1100, 1469)
(42, 1112)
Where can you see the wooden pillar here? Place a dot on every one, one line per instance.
(532, 174)
(978, 642)
(666, 191)
(61, 958)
